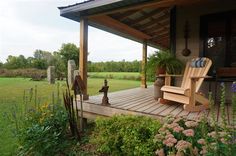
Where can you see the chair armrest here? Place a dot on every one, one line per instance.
(198, 77)
(167, 75)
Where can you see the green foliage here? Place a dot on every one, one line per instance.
(165, 60)
(60, 66)
(125, 135)
(44, 131)
(14, 62)
(11, 93)
(69, 51)
(112, 66)
(222, 140)
(1, 65)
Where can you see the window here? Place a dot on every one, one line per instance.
(218, 35)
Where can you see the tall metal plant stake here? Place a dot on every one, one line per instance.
(68, 102)
(79, 88)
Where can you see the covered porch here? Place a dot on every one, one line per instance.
(157, 23)
(140, 101)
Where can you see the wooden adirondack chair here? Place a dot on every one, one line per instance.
(187, 93)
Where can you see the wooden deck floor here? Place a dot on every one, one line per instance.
(141, 102)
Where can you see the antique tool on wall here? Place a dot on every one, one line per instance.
(186, 51)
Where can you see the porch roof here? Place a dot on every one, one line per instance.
(138, 20)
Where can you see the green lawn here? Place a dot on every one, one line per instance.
(116, 75)
(12, 91)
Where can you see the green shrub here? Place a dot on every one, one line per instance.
(44, 131)
(125, 135)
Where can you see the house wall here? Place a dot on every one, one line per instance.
(192, 14)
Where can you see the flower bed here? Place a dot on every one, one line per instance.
(179, 136)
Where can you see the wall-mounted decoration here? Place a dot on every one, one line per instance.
(186, 51)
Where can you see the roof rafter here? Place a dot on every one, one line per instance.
(160, 37)
(157, 28)
(145, 16)
(153, 21)
(155, 4)
(124, 15)
(117, 25)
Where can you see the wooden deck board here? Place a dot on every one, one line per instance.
(141, 102)
(156, 106)
(137, 104)
(177, 110)
(146, 107)
(148, 103)
(160, 109)
(168, 111)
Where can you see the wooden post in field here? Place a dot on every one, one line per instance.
(144, 63)
(83, 54)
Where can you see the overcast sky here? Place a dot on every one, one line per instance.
(27, 25)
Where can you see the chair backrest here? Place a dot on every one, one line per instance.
(196, 67)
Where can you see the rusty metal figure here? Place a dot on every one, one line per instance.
(105, 99)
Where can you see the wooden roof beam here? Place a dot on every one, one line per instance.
(154, 4)
(121, 27)
(160, 37)
(145, 16)
(160, 33)
(124, 15)
(153, 22)
(156, 29)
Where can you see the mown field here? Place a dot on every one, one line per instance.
(12, 91)
(116, 75)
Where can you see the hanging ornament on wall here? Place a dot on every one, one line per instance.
(186, 51)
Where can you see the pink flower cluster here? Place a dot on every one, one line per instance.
(201, 141)
(191, 124)
(169, 140)
(188, 132)
(204, 150)
(175, 127)
(212, 134)
(182, 145)
(160, 152)
(172, 125)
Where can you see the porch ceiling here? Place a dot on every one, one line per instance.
(139, 20)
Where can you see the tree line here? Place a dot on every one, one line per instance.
(112, 66)
(42, 59)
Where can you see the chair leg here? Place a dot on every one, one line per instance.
(164, 101)
(203, 103)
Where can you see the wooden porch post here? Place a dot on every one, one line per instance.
(83, 53)
(144, 63)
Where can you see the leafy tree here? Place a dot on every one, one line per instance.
(1, 64)
(69, 51)
(14, 62)
(41, 59)
(60, 66)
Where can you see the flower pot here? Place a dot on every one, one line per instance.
(160, 70)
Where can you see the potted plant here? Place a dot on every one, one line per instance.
(162, 62)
